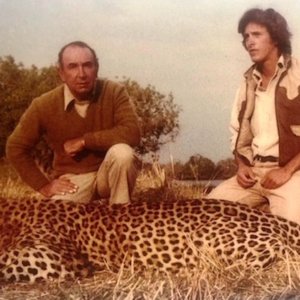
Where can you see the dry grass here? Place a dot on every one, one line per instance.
(212, 280)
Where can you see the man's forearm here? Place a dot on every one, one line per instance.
(293, 165)
(239, 160)
(29, 172)
(104, 139)
(72, 147)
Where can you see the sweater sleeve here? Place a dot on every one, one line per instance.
(125, 127)
(20, 144)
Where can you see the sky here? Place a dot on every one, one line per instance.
(188, 47)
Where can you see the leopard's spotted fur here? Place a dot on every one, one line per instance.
(46, 238)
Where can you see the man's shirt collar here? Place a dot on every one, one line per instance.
(279, 68)
(68, 97)
(70, 100)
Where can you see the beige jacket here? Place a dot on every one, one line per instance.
(287, 106)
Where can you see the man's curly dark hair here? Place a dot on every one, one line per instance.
(275, 24)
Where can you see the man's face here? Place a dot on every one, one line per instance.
(259, 43)
(79, 71)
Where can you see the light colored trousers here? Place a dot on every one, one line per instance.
(115, 178)
(283, 201)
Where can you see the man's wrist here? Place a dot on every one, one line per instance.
(290, 168)
(83, 142)
(44, 190)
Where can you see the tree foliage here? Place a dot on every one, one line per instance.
(226, 168)
(18, 86)
(198, 167)
(159, 115)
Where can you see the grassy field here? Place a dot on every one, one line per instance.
(212, 280)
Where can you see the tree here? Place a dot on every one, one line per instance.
(158, 114)
(18, 86)
(174, 170)
(226, 168)
(198, 167)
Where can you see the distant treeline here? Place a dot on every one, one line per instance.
(199, 167)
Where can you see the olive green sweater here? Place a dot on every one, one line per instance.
(110, 120)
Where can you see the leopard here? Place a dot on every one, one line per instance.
(46, 239)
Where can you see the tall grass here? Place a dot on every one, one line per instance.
(212, 279)
(11, 185)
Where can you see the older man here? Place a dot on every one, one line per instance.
(91, 127)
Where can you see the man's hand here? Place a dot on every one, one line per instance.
(245, 176)
(60, 186)
(276, 178)
(72, 147)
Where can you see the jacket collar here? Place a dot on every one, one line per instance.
(284, 61)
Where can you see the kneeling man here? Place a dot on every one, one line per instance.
(266, 120)
(90, 125)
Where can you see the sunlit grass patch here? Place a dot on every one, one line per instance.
(11, 186)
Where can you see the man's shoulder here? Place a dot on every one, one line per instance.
(291, 79)
(110, 90)
(295, 63)
(248, 73)
(293, 68)
(50, 96)
(107, 83)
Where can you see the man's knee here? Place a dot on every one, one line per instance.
(121, 154)
(116, 176)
